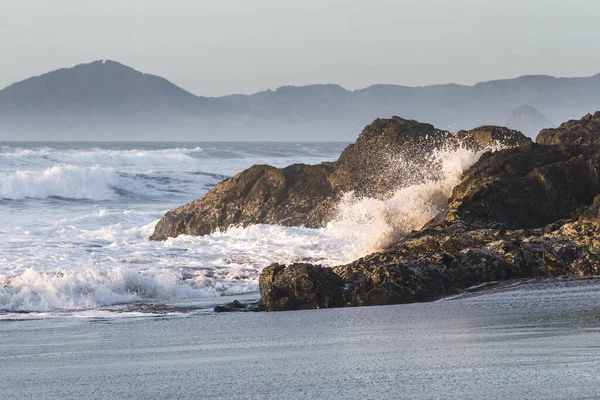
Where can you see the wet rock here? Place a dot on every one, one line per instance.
(300, 287)
(237, 306)
(439, 262)
(293, 196)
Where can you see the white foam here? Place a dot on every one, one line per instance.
(66, 181)
(374, 223)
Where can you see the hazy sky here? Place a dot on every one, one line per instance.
(242, 46)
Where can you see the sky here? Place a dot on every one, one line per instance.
(220, 47)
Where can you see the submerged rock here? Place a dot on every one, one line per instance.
(306, 195)
(237, 306)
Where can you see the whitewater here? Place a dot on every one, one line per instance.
(75, 220)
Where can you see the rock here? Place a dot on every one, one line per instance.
(444, 261)
(306, 195)
(525, 187)
(300, 287)
(489, 136)
(582, 132)
(293, 196)
(237, 306)
(528, 211)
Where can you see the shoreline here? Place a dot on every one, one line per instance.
(492, 347)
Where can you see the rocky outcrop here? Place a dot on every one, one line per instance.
(443, 260)
(306, 195)
(293, 196)
(581, 132)
(526, 187)
(300, 287)
(523, 212)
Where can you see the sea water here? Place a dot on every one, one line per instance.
(75, 220)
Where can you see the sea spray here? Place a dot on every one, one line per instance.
(372, 223)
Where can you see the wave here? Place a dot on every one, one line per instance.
(374, 223)
(92, 287)
(105, 259)
(64, 181)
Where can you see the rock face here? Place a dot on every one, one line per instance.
(300, 287)
(582, 132)
(306, 195)
(523, 212)
(526, 187)
(295, 195)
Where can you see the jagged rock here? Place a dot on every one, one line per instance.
(368, 166)
(442, 261)
(581, 132)
(523, 212)
(526, 187)
(293, 196)
(306, 195)
(300, 287)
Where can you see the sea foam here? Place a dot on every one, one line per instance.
(373, 223)
(66, 181)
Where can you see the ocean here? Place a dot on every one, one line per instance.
(77, 272)
(75, 220)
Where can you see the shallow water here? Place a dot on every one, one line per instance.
(537, 341)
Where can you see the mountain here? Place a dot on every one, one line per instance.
(528, 120)
(106, 100)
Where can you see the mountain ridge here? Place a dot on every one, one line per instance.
(111, 99)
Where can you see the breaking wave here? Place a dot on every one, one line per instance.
(376, 222)
(66, 181)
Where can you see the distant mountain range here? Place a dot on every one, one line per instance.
(106, 100)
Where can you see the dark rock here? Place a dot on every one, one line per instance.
(237, 306)
(444, 261)
(529, 211)
(581, 132)
(306, 195)
(300, 287)
(526, 187)
(292, 196)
